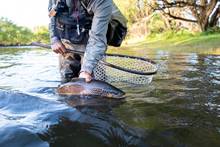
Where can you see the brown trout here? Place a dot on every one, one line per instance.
(78, 86)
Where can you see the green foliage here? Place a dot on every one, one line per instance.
(127, 8)
(212, 30)
(182, 34)
(172, 35)
(156, 24)
(41, 34)
(141, 24)
(11, 34)
(132, 10)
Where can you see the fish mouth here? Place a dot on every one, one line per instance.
(121, 95)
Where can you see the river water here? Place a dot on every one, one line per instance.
(180, 107)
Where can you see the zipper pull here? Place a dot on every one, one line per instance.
(78, 31)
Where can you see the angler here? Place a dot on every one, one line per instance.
(87, 25)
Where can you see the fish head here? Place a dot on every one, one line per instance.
(119, 95)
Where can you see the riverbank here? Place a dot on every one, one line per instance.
(178, 43)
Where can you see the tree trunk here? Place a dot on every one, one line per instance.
(215, 17)
(167, 21)
(204, 24)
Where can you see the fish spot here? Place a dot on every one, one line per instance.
(97, 91)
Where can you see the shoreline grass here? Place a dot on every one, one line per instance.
(179, 42)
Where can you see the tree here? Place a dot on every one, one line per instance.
(134, 10)
(11, 34)
(205, 13)
(41, 34)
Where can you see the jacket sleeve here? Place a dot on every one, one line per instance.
(97, 43)
(52, 24)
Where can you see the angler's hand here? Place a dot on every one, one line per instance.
(86, 75)
(58, 48)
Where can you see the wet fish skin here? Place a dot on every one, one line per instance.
(78, 86)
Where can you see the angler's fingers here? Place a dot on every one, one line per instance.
(88, 79)
(87, 76)
(55, 48)
(61, 48)
(58, 48)
(55, 51)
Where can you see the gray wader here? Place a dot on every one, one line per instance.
(70, 63)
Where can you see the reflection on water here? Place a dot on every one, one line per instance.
(181, 107)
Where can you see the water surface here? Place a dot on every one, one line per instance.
(181, 107)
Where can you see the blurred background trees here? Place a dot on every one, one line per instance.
(204, 13)
(41, 34)
(145, 18)
(12, 34)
